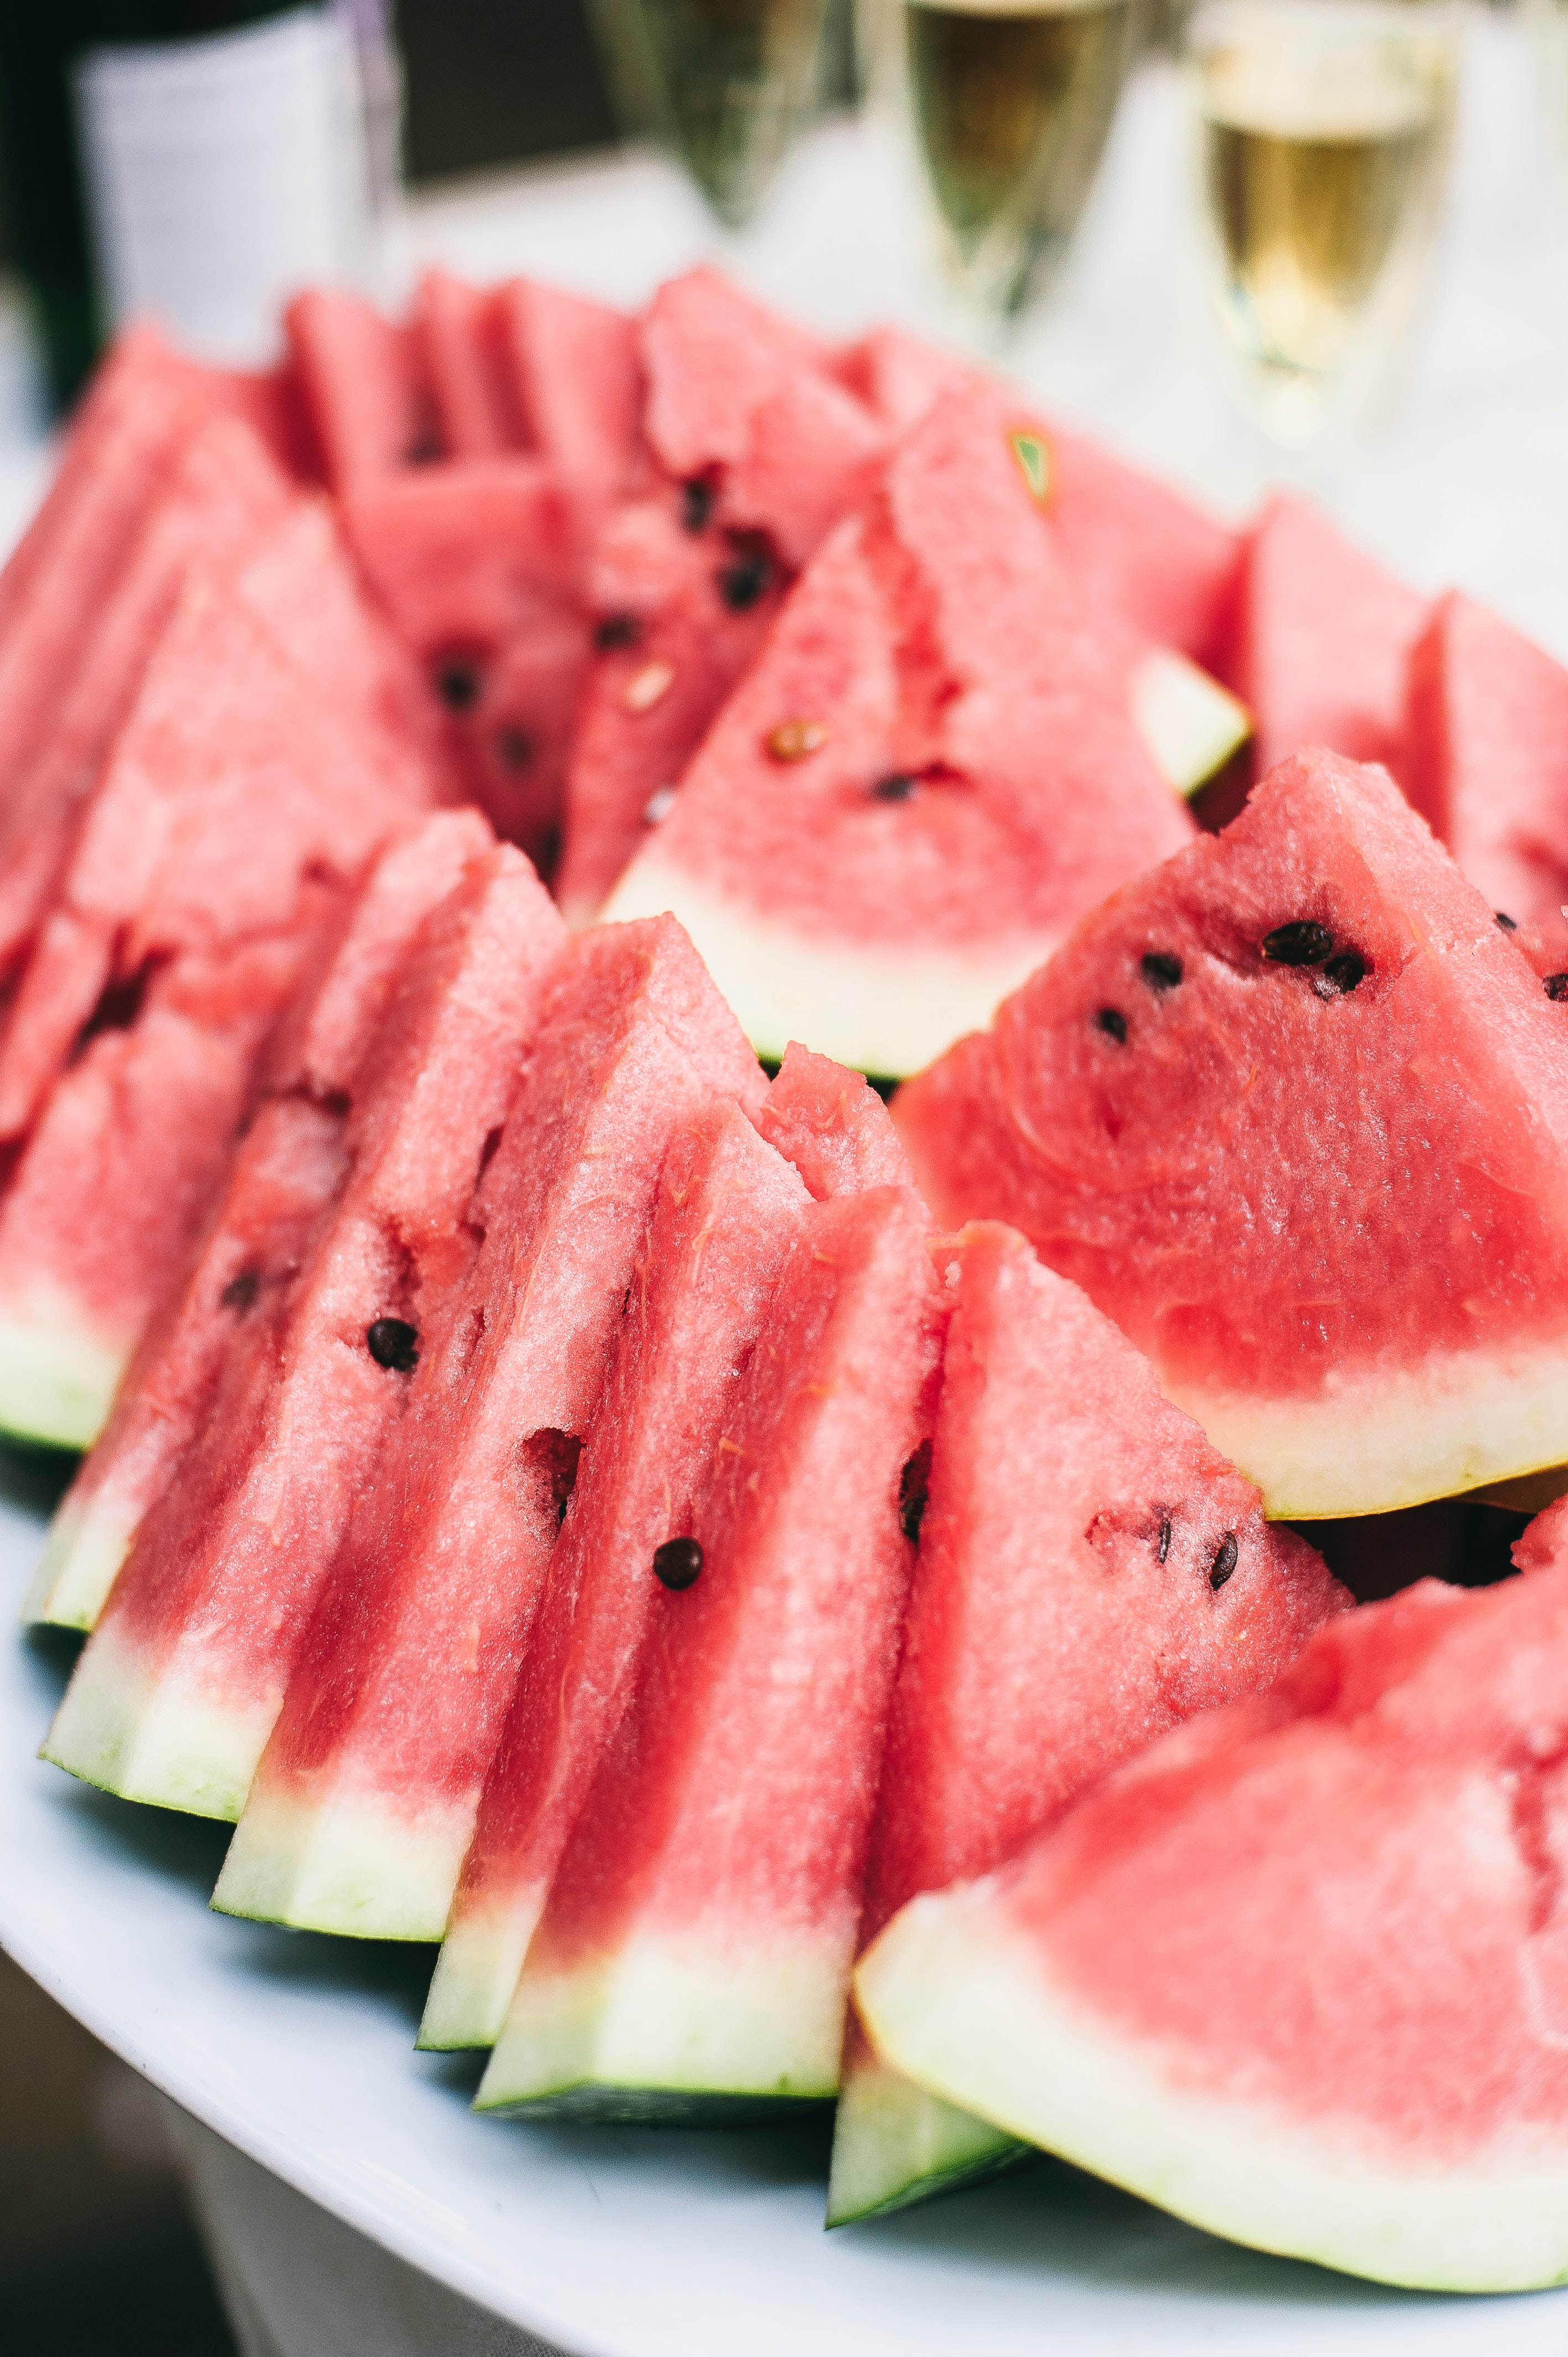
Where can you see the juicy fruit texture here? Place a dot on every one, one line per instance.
(930, 774)
(177, 1690)
(365, 1799)
(288, 1168)
(724, 1216)
(1484, 758)
(365, 388)
(832, 1126)
(695, 1953)
(576, 378)
(1298, 1973)
(1321, 639)
(1326, 1197)
(1081, 1530)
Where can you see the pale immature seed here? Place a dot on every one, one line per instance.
(645, 687)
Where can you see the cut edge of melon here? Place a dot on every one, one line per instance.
(345, 1863)
(1189, 724)
(886, 1012)
(953, 1997)
(476, 1972)
(669, 2030)
(145, 1737)
(895, 2144)
(57, 1381)
(84, 1551)
(1375, 1442)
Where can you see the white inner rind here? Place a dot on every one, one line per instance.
(887, 1011)
(344, 1863)
(57, 1381)
(150, 1737)
(1189, 724)
(894, 2143)
(80, 1563)
(952, 1997)
(478, 1970)
(1373, 1442)
(762, 2020)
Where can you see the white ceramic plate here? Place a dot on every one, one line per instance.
(613, 2242)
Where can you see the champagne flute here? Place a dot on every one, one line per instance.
(728, 81)
(1325, 129)
(1012, 102)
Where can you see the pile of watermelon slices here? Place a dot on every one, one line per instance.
(802, 1598)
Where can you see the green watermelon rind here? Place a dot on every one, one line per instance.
(57, 1382)
(476, 1974)
(953, 1998)
(887, 1011)
(895, 2144)
(592, 2103)
(82, 1555)
(345, 1863)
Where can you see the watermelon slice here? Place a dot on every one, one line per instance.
(930, 775)
(1484, 758)
(1299, 1973)
(371, 405)
(364, 1804)
(289, 1166)
(1141, 551)
(693, 1956)
(458, 330)
(725, 1214)
(1083, 1531)
(575, 375)
(1322, 637)
(177, 1688)
(1294, 1111)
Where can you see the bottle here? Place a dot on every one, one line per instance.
(197, 160)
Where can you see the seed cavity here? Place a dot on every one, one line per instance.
(618, 630)
(393, 1343)
(1224, 1562)
(1113, 1023)
(644, 689)
(1160, 970)
(659, 805)
(239, 1295)
(914, 1489)
(898, 789)
(1556, 985)
(1302, 943)
(696, 503)
(458, 684)
(1508, 925)
(1340, 976)
(797, 740)
(1165, 1546)
(678, 1563)
(747, 580)
(514, 747)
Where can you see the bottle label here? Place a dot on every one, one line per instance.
(223, 175)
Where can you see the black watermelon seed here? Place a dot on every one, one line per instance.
(746, 580)
(1224, 1562)
(514, 748)
(1340, 976)
(241, 1291)
(1508, 925)
(678, 1563)
(458, 685)
(425, 450)
(1160, 970)
(1165, 1546)
(696, 503)
(1303, 942)
(896, 789)
(393, 1343)
(913, 1489)
(618, 630)
(1113, 1023)
(1556, 985)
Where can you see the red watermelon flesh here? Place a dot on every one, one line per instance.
(1484, 758)
(694, 1953)
(220, 498)
(575, 375)
(288, 1168)
(725, 1212)
(1325, 1198)
(931, 772)
(1299, 1974)
(368, 396)
(1322, 637)
(271, 403)
(178, 1686)
(1082, 1532)
(364, 1804)
(832, 1126)
(461, 339)
(898, 376)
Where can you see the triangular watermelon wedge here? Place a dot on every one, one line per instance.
(287, 1169)
(177, 1688)
(1484, 758)
(1082, 1531)
(1294, 1111)
(458, 330)
(366, 387)
(692, 1959)
(1299, 1974)
(573, 371)
(365, 1800)
(930, 775)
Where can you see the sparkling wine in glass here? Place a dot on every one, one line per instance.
(1011, 102)
(1324, 128)
(730, 82)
